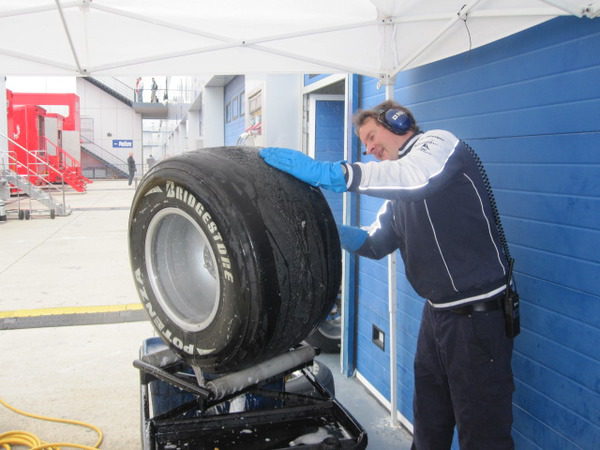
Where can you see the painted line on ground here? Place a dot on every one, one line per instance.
(102, 208)
(71, 315)
(69, 310)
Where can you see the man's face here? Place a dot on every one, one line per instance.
(379, 141)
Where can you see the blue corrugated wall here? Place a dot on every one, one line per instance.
(530, 105)
(235, 127)
(309, 79)
(329, 144)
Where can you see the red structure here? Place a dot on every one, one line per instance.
(26, 128)
(71, 101)
(45, 146)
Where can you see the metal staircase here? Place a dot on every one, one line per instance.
(117, 165)
(67, 168)
(16, 175)
(43, 196)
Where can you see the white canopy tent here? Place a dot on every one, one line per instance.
(377, 38)
(185, 37)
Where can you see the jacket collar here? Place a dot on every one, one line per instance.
(407, 146)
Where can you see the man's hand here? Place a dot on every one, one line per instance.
(328, 175)
(352, 238)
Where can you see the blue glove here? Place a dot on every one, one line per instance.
(328, 175)
(352, 238)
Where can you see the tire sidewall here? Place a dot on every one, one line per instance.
(178, 189)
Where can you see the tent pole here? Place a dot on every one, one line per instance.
(69, 38)
(350, 205)
(460, 15)
(3, 146)
(3, 124)
(46, 62)
(392, 300)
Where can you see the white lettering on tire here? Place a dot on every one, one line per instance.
(159, 324)
(183, 195)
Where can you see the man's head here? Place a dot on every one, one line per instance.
(384, 129)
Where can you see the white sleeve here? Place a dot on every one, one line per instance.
(427, 159)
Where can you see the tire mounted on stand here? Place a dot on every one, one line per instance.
(234, 261)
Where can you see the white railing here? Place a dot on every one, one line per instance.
(26, 167)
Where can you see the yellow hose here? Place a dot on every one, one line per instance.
(24, 438)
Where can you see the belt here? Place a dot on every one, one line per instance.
(490, 305)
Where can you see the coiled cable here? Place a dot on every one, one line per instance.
(490, 193)
(24, 438)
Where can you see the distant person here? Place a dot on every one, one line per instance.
(151, 161)
(131, 167)
(153, 97)
(139, 89)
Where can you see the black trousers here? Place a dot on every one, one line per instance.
(130, 179)
(463, 377)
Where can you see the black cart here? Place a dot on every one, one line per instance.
(250, 409)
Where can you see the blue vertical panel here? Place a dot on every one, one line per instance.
(234, 121)
(530, 106)
(329, 143)
(350, 300)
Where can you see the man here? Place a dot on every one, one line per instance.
(438, 215)
(131, 167)
(150, 161)
(139, 89)
(153, 89)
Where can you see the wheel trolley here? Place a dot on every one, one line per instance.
(183, 408)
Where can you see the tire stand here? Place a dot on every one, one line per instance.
(249, 409)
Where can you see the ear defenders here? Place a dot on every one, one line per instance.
(395, 120)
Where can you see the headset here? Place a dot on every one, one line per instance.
(395, 120)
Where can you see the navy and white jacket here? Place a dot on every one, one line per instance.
(438, 214)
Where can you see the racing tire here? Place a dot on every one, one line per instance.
(234, 261)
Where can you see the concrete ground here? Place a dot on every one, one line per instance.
(71, 325)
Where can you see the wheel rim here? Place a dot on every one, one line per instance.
(331, 327)
(182, 269)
